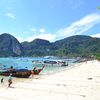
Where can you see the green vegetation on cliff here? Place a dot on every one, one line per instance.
(79, 45)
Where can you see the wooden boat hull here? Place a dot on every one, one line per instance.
(20, 74)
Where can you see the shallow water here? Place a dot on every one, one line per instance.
(26, 63)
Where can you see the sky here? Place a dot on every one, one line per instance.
(49, 19)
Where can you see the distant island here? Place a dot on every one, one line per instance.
(74, 46)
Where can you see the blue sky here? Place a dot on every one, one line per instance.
(49, 19)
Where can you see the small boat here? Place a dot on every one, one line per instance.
(17, 73)
(50, 62)
(20, 73)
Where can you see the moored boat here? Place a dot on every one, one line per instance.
(20, 74)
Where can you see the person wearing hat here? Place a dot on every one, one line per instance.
(10, 80)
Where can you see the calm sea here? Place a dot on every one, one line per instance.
(26, 62)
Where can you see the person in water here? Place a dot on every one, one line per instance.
(11, 70)
(10, 80)
(37, 71)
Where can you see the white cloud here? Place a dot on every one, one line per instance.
(42, 30)
(76, 28)
(48, 36)
(32, 29)
(79, 27)
(96, 35)
(11, 15)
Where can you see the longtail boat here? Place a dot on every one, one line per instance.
(21, 73)
(17, 73)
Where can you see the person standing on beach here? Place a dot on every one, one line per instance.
(10, 80)
(2, 79)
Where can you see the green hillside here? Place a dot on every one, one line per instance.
(79, 45)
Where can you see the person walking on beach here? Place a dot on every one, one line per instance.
(2, 79)
(32, 73)
(10, 80)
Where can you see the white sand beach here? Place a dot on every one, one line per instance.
(80, 82)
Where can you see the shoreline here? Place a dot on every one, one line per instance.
(80, 82)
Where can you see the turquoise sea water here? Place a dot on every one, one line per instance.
(26, 62)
